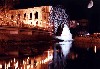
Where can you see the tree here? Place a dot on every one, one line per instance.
(58, 17)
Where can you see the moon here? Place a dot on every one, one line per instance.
(90, 5)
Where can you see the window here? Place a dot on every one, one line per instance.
(31, 22)
(36, 15)
(24, 15)
(30, 16)
(19, 16)
(12, 16)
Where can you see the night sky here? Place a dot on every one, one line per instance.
(76, 9)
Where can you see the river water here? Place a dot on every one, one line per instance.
(50, 55)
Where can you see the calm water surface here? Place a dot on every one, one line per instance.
(49, 55)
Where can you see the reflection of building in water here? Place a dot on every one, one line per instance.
(65, 46)
(61, 50)
(37, 16)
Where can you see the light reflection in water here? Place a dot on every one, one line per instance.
(95, 49)
(39, 61)
(62, 48)
(65, 46)
(29, 62)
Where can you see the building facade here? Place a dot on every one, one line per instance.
(30, 17)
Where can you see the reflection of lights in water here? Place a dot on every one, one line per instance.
(28, 66)
(95, 49)
(21, 67)
(5, 65)
(36, 64)
(23, 61)
(28, 60)
(25, 64)
(0, 66)
(31, 66)
(65, 47)
(11, 61)
(8, 64)
(48, 58)
(40, 62)
(66, 35)
(28, 57)
(14, 59)
(16, 65)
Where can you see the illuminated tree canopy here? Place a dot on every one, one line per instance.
(58, 17)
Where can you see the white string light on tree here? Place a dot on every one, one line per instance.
(58, 17)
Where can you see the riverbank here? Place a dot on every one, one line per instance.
(87, 42)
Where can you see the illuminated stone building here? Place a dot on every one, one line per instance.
(30, 17)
